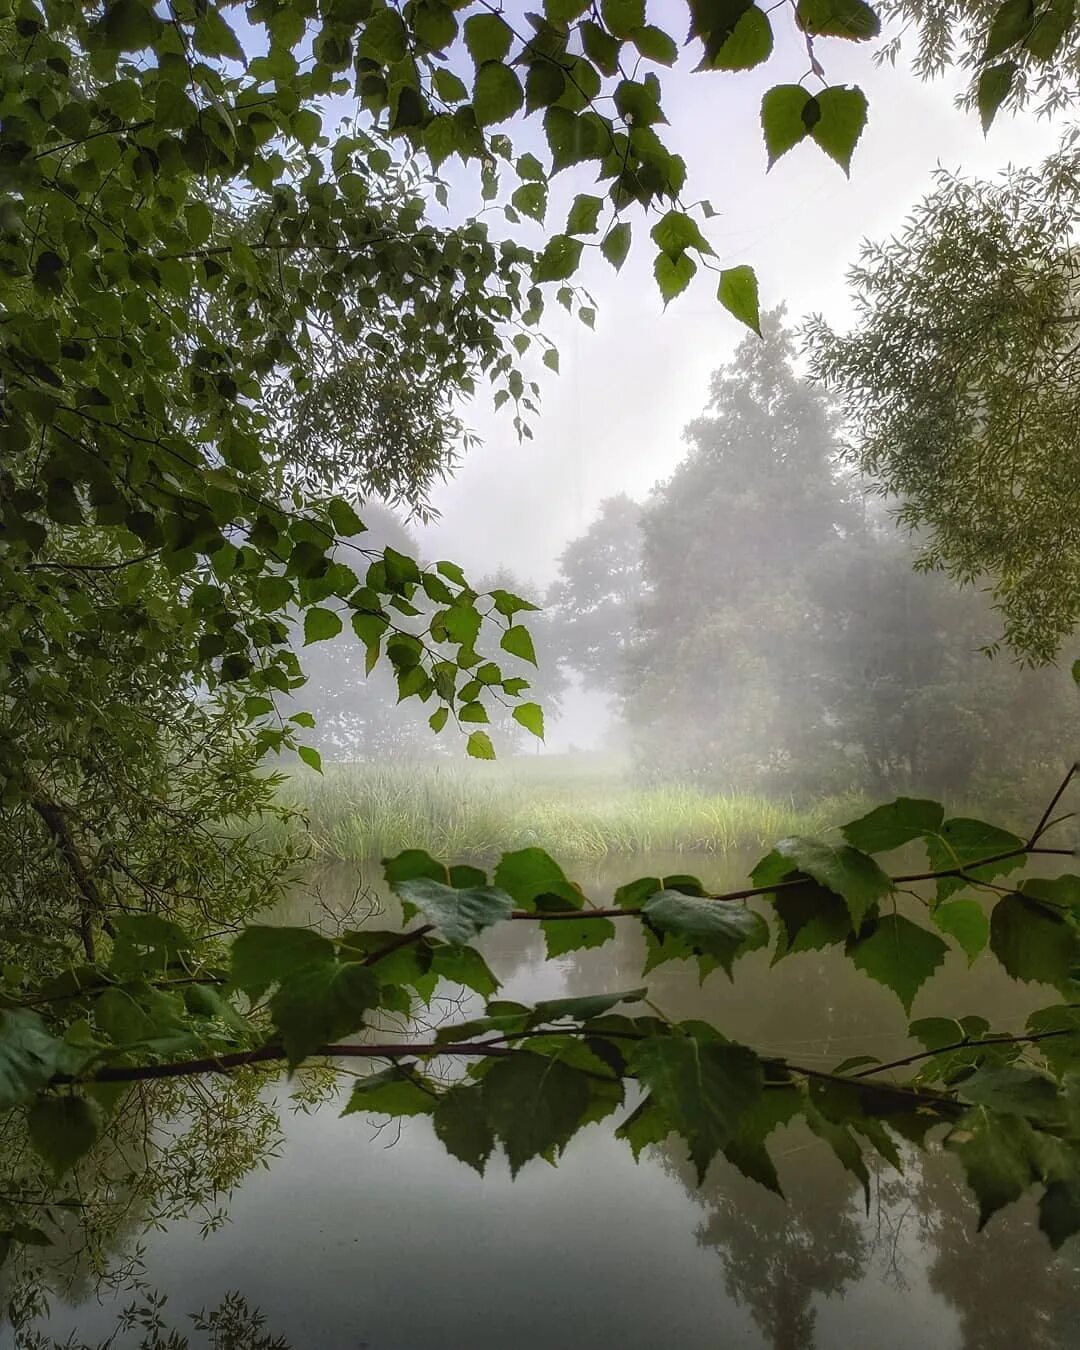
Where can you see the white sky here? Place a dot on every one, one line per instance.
(612, 421)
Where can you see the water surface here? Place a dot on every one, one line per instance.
(362, 1236)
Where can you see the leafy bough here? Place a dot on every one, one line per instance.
(1007, 1103)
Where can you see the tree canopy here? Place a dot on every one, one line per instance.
(960, 387)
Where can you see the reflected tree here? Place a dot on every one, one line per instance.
(232, 1325)
(1007, 1287)
(779, 1254)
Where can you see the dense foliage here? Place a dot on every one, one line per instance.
(960, 386)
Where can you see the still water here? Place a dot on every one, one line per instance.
(357, 1237)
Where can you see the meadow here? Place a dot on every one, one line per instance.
(579, 807)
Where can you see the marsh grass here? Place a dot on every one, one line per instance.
(576, 807)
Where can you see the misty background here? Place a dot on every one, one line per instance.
(611, 444)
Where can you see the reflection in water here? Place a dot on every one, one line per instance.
(343, 1232)
(147, 1325)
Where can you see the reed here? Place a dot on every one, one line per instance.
(577, 812)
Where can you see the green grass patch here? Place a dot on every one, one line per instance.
(576, 807)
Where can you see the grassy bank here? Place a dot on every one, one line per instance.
(576, 807)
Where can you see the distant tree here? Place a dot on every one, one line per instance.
(772, 631)
(914, 701)
(593, 602)
(720, 683)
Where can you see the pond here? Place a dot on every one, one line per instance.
(357, 1235)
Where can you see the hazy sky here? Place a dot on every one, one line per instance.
(612, 420)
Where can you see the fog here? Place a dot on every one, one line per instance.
(833, 665)
(612, 421)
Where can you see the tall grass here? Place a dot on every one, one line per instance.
(355, 812)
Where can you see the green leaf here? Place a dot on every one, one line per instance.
(344, 518)
(384, 38)
(319, 1004)
(458, 915)
(1061, 892)
(572, 138)
(702, 1087)
(995, 1153)
(464, 965)
(397, 1091)
(310, 756)
(545, 84)
(748, 44)
(411, 863)
(487, 37)
(616, 245)
(966, 922)
(655, 45)
(531, 717)
(584, 214)
(534, 1104)
(899, 954)
(673, 275)
(320, 624)
(782, 118)
(263, 955)
(1032, 941)
(1013, 1092)
(461, 1124)
(574, 935)
(842, 117)
(1011, 24)
(1051, 25)
(962, 842)
(676, 231)
(306, 126)
(448, 86)
(738, 293)
(810, 918)
(994, 87)
(435, 25)
(529, 873)
(583, 1008)
(29, 1056)
(129, 25)
(621, 17)
(1059, 1210)
(894, 824)
(838, 18)
(634, 893)
(647, 1125)
(852, 875)
(844, 1145)
(518, 642)
(62, 1130)
(600, 47)
(713, 926)
(497, 94)
(479, 746)
(531, 200)
(559, 260)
